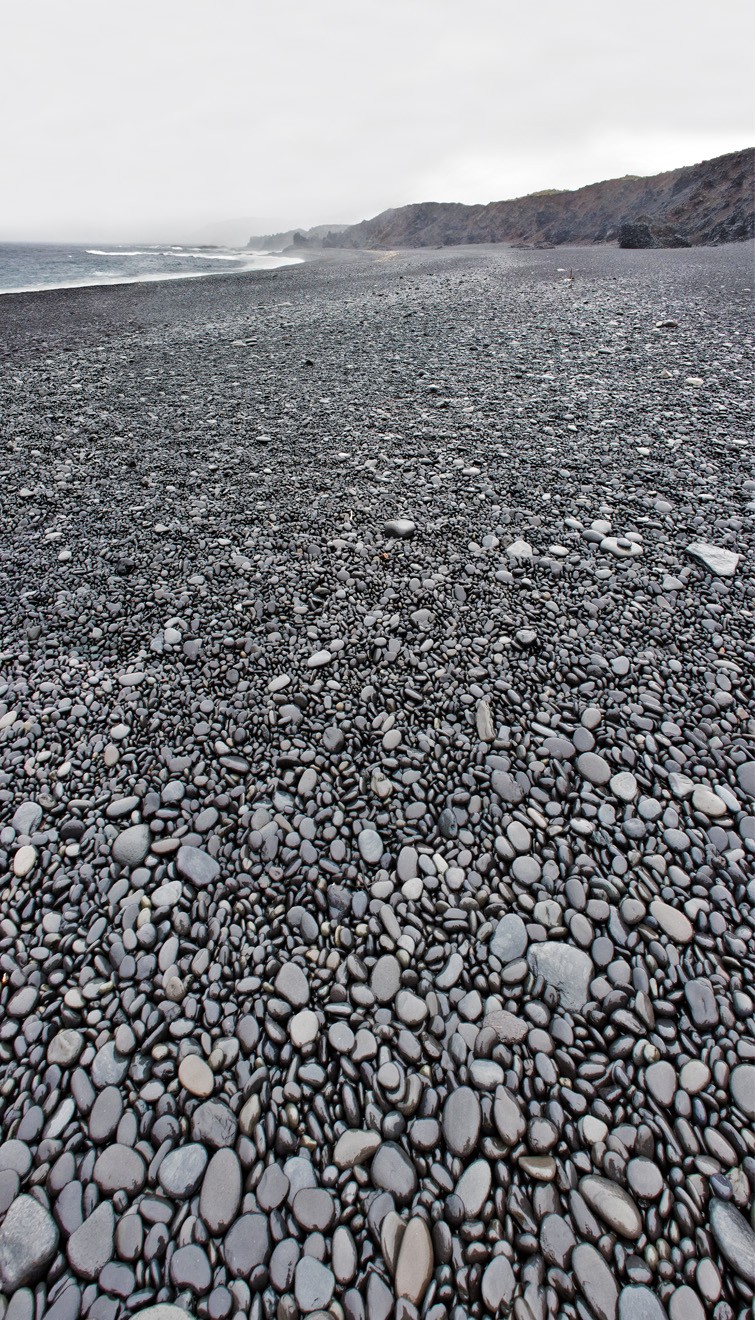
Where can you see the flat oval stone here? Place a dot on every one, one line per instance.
(195, 1076)
(416, 1260)
(246, 1245)
(612, 1204)
(402, 528)
(220, 1196)
(645, 1179)
(594, 768)
(509, 939)
(355, 1147)
(181, 1171)
(596, 1282)
(119, 1169)
(734, 1237)
(393, 1171)
(131, 846)
(473, 1187)
(370, 846)
(637, 1302)
(742, 1086)
(91, 1246)
(672, 922)
(498, 1284)
(462, 1117)
(196, 866)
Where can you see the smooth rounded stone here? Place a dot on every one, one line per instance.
(684, 1304)
(214, 1124)
(313, 1285)
(28, 1243)
(745, 779)
(508, 1117)
(393, 1171)
(672, 922)
(190, 1268)
(15, 1157)
(247, 1245)
(195, 1076)
(182, 1170)
(473, 1187)
(403, 528)
(163, 1311)
(131, 846)
(27, 818)
(119, 1169)
(65, 1048)
(167, 895)
(508, 1028)
(498, 1284)
(313, 1209)
(735, 1238)
(319, 658)
(196, 866)
(370, 846)
(694, 1076)
(485, 1074)
(624, 786)
(24, 861)
(645, 1179)
(220, 1197)
(355, 1147)
(661, 1082)
(303, 1028)
(567, 969)
(702, 1002)
(292, 985)
(716, 558)
(344, 1255)
(613, 1205)
(416, 1261)
(385, 979)
(91, 1246)
(742, 1087)
(620, 547)
(272, 1188)
(596, 1282)
(509, 939)
(708, 803)
(557, 1240)
(462, 1118)
(594, 768)
(407, 863)
(636, 1302)
(506, 787)
(410, 1009)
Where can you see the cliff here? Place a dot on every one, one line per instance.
(713, 202)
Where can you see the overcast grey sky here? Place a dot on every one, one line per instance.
(154, 117)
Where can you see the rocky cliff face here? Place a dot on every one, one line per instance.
(713, 202)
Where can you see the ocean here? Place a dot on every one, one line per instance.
(27, 267)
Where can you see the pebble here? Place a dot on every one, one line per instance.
(28, 1243)
(381, 910)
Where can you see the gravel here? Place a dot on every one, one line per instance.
(377, 792)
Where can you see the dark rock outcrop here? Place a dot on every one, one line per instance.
(644, 233)
(712, 202)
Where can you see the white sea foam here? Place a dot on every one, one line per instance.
(256, 261)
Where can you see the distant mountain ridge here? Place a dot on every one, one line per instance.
(709, 203)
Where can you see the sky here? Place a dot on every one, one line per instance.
(155, 119)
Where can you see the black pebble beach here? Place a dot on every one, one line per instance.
(377, 778)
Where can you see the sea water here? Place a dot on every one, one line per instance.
(25, 267)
